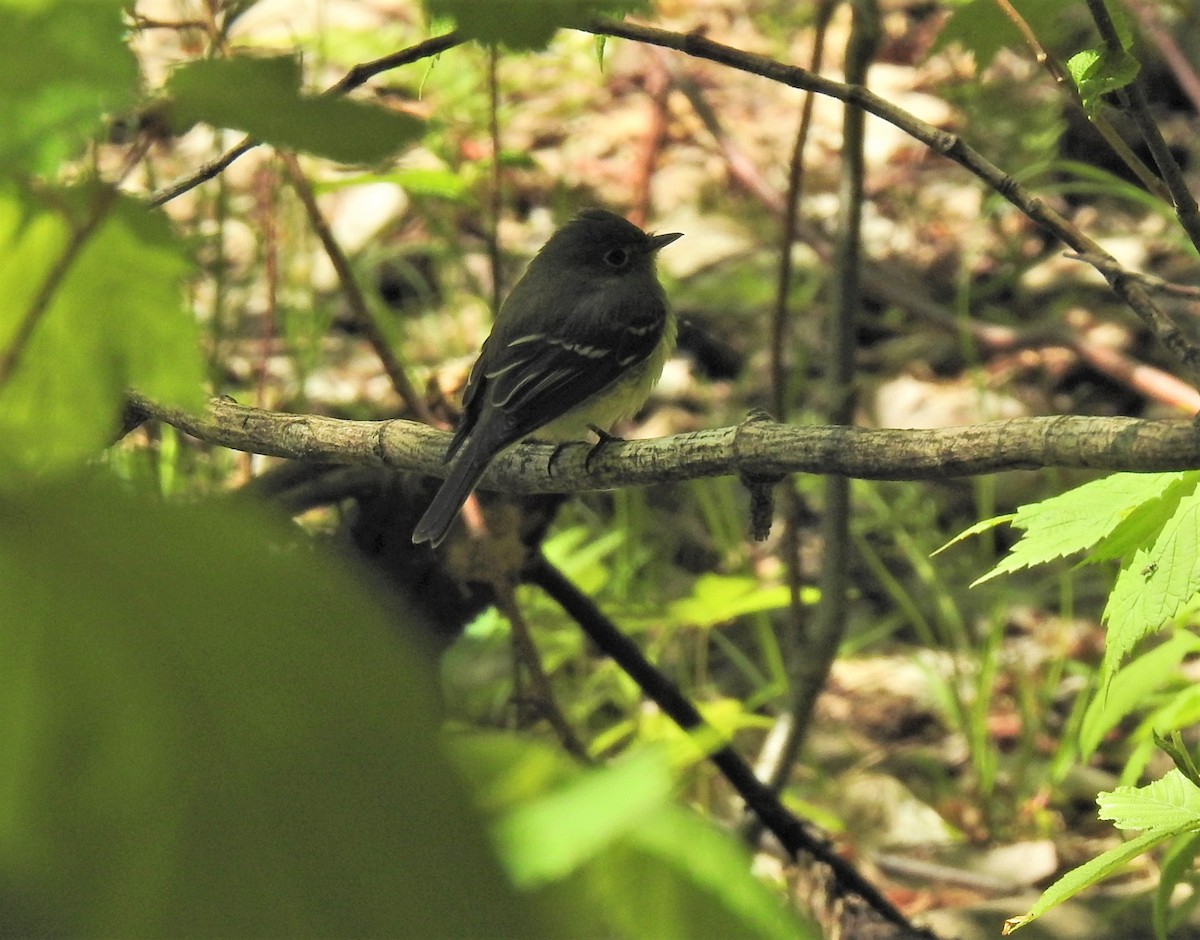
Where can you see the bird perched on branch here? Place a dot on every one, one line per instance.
(578, 344)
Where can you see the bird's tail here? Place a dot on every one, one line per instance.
(464, 474)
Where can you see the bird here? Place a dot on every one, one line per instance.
(578, 344)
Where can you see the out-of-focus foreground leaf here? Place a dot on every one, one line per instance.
(209, 732)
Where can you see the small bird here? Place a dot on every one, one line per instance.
(578, 344)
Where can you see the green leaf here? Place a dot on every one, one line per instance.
(1096, 72)
(211, 732)
(645, 868)
(546, 839)
(1180, 755)
(1155, 583)
(115, 320)
(1177, 864)
(719, 598)
(981, 27)
(66, 65)
(526, 24)
(1082, 518)
(985, 525)
(1130, 689)
(677, 878)
(1171, 803)
(261, 96)
(1092, 872)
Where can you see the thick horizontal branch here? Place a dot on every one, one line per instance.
(755, 449)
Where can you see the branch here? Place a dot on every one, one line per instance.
(759, 449)
(793, 834)
(949, 145)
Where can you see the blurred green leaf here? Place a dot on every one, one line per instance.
(677, 877)
(210, 733)
(1131, 688)
(719, 598)
(548, 838)
(261, 96)
(981, 27)
(115, 319)
(612, 841)
(525, 24)
(65, 66)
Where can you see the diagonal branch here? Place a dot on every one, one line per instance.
(793, 833)
(949, 145)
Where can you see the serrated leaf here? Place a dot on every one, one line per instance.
(1143, 522)
(1081, 518)
(1155, 583)
(526, 24)
(66, 65)
(1171, 803)
(261, 96)
(1130, 688)
(115, 320)
(1091, 872)
(985, 525)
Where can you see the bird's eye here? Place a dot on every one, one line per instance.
(616, 257)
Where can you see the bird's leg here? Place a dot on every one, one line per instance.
(604, 439)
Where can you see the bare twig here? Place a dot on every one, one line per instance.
(823, 636)
(1133, 98)
(1173, 56)
(357, 76)
(543, 694)
(495, 196)
(781, 318)
(392, 364)
(1102, 125)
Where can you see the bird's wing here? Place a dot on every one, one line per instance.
(534, 378)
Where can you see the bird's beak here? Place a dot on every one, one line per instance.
(661, 241)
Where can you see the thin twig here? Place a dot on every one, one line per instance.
(778, 764)
(357, 76)
(1133, 99)
(528, 656)
(1102, 125)
(947, 144)
(388, 357)
(793, 833)
(781, 318)
(823, 636)
(1173, 56)
(1153, 283)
